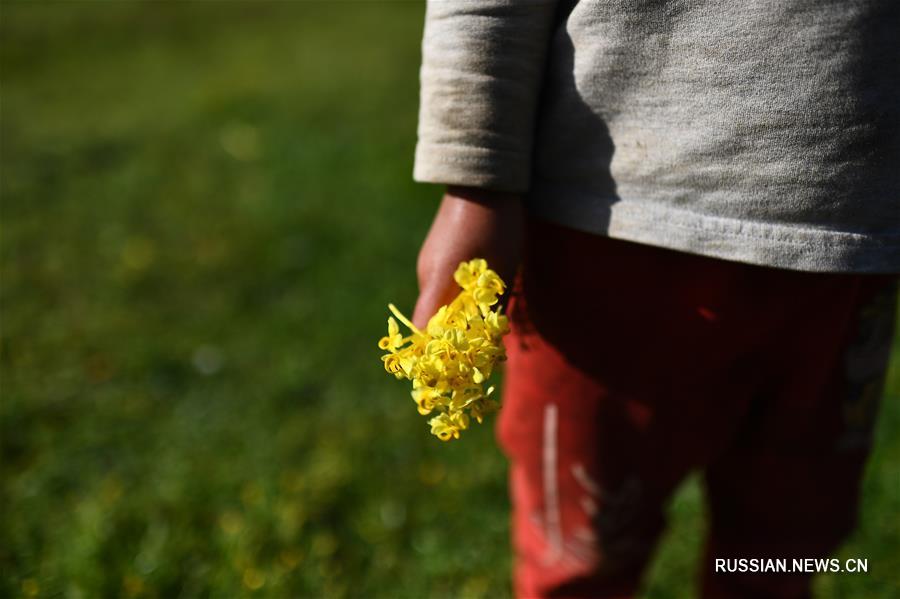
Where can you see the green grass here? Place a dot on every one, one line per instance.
(205, 209)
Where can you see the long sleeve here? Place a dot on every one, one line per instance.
(482, 64)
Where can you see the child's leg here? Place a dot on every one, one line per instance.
(630, 365)
(788, 487)
(584, 521)
(623, 374)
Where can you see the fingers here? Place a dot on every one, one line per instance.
(439, 291)
(469, 223)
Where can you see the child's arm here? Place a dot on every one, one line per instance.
(482, 65)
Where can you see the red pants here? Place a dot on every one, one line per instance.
(631, 366)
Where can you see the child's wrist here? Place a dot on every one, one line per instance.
(481, 195)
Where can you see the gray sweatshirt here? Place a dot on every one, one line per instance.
(761, 131)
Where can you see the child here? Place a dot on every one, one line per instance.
(701, 199)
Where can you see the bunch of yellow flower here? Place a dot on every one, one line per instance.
(451, 359)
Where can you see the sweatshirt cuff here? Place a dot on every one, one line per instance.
(471, 166)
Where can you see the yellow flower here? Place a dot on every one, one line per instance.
(426, 398)
(392, 364)
(449, 362)
(394, 339)
(488, 279)
(448, 425)
(468, 272)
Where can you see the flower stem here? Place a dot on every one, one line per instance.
(404, 319)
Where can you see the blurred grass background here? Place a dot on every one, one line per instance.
(205, 208)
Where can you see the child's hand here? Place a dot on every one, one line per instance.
(469, 223)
